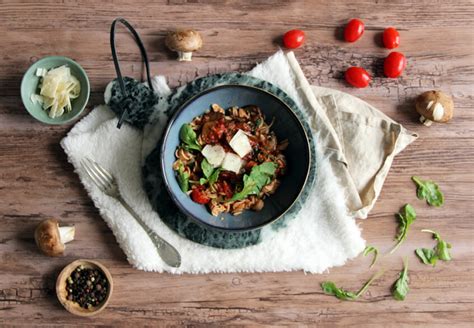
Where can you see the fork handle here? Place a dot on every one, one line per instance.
(168, 253)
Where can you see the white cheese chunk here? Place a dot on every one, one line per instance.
(232, 162)
(41, 72)
(214, 154)
(240, 143)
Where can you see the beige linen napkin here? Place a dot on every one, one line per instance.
(360, 141)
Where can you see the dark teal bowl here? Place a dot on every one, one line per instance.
(286, 126)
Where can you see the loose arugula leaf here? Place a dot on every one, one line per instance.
(330, 288)
(183, 178)
(371, 249)
(429, 191)
(406, 218)
(189, 137)
(202, 181)
(256, 180)
(400, 288)
(206, 168)
(442, 248)
(427, 256)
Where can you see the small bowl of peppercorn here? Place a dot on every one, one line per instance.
(84, 287)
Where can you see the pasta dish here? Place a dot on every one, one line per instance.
(229, 160)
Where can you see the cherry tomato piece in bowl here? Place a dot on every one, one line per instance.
(354, 30)
(357, 77)
(394, 64)
(391, 38)
(293, 39)
(199, 196)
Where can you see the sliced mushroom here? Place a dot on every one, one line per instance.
(184, 42)
(434, 106)
(51, 238)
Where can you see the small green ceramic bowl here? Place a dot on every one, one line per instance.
(29, 86)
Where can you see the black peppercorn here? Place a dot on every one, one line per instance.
(87, 287)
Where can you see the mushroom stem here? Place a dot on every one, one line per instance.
(66, 234)
(184, 56)
(425, 121)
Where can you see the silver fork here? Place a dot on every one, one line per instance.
(108, 185)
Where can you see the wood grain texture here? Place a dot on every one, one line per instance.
(36, 182)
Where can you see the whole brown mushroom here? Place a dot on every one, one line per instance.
(434, 106)
(51, 238)
(184, 42)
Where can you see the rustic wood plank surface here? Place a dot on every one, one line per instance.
(36, 182)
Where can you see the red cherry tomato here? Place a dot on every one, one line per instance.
(394, 64)
(293, 39)
(357, 77)
(391, 38)
(354, 30)
(198, 196)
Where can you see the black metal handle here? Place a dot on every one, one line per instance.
(116, 61)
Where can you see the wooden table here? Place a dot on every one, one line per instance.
(36, 181)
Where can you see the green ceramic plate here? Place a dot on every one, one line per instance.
(29, 85)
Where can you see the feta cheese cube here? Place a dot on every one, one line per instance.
(240, 143)
(214, 154)
(232, 162)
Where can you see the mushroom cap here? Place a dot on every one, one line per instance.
(435, 106)
(184, 40)
(48, 239)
